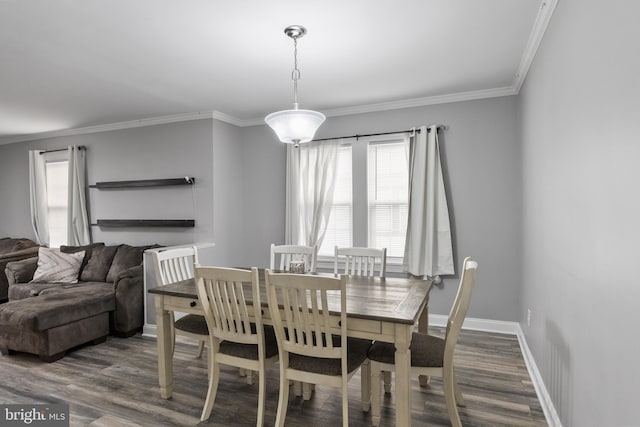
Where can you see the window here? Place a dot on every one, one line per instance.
(57, 185)
(388, 184)
(370, 206)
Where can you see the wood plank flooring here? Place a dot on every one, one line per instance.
(115, 384)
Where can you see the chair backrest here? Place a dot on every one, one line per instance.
(222, 296)
(460, 307)
(294, 254)
(298, 303)
(361, 261)
(174, 265)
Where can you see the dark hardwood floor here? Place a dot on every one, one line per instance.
(115, 384)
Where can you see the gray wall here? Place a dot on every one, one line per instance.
(580, 123)
(481, 157)
(207, 149)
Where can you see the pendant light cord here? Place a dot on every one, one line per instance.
(295, 74)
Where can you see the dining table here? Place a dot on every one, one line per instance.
(383, 309)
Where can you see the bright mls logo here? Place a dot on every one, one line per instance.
(55, 415)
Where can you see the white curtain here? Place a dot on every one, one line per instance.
(310, 182)
(38, 197)
(77, 218)
(428, 250)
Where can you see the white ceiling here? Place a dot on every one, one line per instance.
(69, 64)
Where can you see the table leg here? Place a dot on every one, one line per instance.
(403, 375)
(423, 326)
(165, 357)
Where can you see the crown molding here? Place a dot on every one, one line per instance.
(406, 103)
(535, 38)
(117, 126)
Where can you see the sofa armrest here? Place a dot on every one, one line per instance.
(132, 272)
(21, 254)
(21, 271)
(129, 293)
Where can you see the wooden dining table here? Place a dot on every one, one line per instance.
(381, 309)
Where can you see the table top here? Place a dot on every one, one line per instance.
(393, 299)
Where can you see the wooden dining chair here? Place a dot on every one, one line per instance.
(291, 255)
(430, 355)
(360, 261)
(313, 346)
(174, 265)
(234, 339)
(368, 262)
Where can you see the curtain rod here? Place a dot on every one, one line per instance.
(80, 147)
(417, 130)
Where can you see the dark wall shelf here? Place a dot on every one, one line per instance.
(145, 183)
(145, 223)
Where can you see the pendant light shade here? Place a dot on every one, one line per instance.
(295, 126)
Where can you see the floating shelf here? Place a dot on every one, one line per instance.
(145, 223)
(145, 183)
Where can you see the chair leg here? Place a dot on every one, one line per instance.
(365, 385)
(307, 390)
(283, 399)
(247, 374)
(450, 396)
(387, 381)
(297, 388)
(200, 348)
(345, 403)
(211, 392)
(262, 390)
(456, 388)
(172, 321)
(375, 394)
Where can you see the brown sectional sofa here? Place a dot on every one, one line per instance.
(13, 250)
(49, 318)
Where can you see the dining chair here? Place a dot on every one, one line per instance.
(360, 261)
(430, 355)
(291, 255)
(174, 265)
(313, 345)
(233, 339)
(368, 262)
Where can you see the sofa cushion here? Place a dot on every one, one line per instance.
(26, 290)
(125, 258)
(88, 249)
(48, 311)
(57, 267)
(98, 265)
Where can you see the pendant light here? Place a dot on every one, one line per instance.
(295, 126)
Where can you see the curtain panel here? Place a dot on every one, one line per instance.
(428, 247)
(38, 197)
(310, 182)
(78, 231)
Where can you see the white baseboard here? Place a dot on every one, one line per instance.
(511, 328)
(484, 325)
(549, 410)
(149, 331)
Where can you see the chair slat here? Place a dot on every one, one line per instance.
(360, 261)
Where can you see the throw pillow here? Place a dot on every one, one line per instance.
(55, 266)
(126, 257)
(98, 265)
